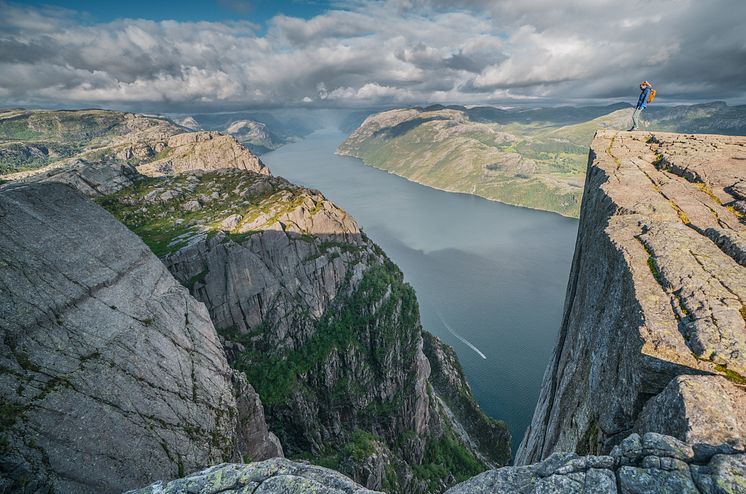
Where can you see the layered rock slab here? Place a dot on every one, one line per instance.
(112, 374)
(656, 292)
(274, 476)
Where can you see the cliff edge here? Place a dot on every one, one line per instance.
(112, 374)
(653, 337)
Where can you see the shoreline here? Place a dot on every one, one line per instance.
(336, 152)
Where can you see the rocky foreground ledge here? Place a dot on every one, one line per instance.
(274, 476)
(647, 465)
(652, 464)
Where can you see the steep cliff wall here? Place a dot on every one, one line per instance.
(654, 334)
(112, 374)
(322, 324)
(486, 437)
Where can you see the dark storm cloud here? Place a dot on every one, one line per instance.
(459, 61)
(380, 52)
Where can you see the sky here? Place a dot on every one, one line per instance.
(240, 54)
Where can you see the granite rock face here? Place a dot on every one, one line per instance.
(649, 465)
(654, 331)
(275, 476)
(254, 441)
(698, 410)
(112, 374)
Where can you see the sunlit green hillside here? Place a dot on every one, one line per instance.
(534, 158)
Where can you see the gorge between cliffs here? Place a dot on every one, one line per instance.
(176, 314)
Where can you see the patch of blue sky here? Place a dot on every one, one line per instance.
(255, 11)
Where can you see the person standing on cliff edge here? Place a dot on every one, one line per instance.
(642, 103)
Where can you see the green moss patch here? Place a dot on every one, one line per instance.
(447, 455)
(731, 375)
(361, 446)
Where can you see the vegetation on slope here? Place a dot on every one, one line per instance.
(514, 163)
(32, 139)
(169, 212)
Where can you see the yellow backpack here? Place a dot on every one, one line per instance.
(651, 95)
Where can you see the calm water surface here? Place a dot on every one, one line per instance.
(490, 278)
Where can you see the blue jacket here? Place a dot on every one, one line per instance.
(643, 101)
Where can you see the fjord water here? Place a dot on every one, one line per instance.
(490, 278)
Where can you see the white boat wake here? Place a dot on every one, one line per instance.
(461, 338)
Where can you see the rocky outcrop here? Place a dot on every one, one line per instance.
(652, 464)
(274, 476)
(93, 178)
(200, 151)
(699, 410)
(654, 332)
(112, 374)
(249, 132)
(188, 122)
(254, 441)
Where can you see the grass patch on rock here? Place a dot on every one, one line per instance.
(160, 209)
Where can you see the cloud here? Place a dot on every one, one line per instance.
(368, 52)
(242, 7)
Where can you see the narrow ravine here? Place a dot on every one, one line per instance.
(495, 273)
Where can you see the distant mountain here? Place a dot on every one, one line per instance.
(31, 139)
(353, 120)
(254, 135)
(527, 157)
(259, 131)
(188, 122)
